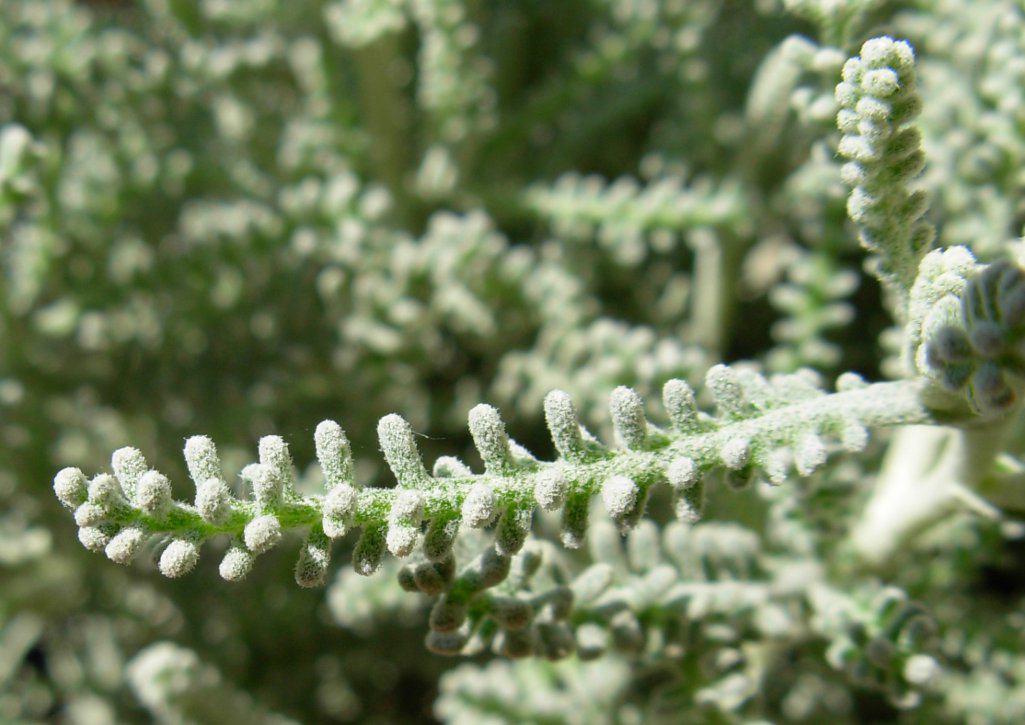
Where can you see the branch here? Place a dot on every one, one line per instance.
(879, 103)
(771, 425)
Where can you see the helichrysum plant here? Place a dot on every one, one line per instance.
(579, 362)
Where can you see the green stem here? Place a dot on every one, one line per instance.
(387, 113)
(873, 406)
(708, 306)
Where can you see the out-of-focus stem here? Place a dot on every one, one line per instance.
(386, 110)
(708, 305)
(926, 475)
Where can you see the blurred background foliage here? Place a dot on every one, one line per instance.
(242, 218)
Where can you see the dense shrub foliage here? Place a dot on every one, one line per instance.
(585, 361)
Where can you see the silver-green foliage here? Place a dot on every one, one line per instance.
(773, 426)
(243, 218)
(879, 102)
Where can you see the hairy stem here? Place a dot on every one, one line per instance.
(877, 405)
(927, 473)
